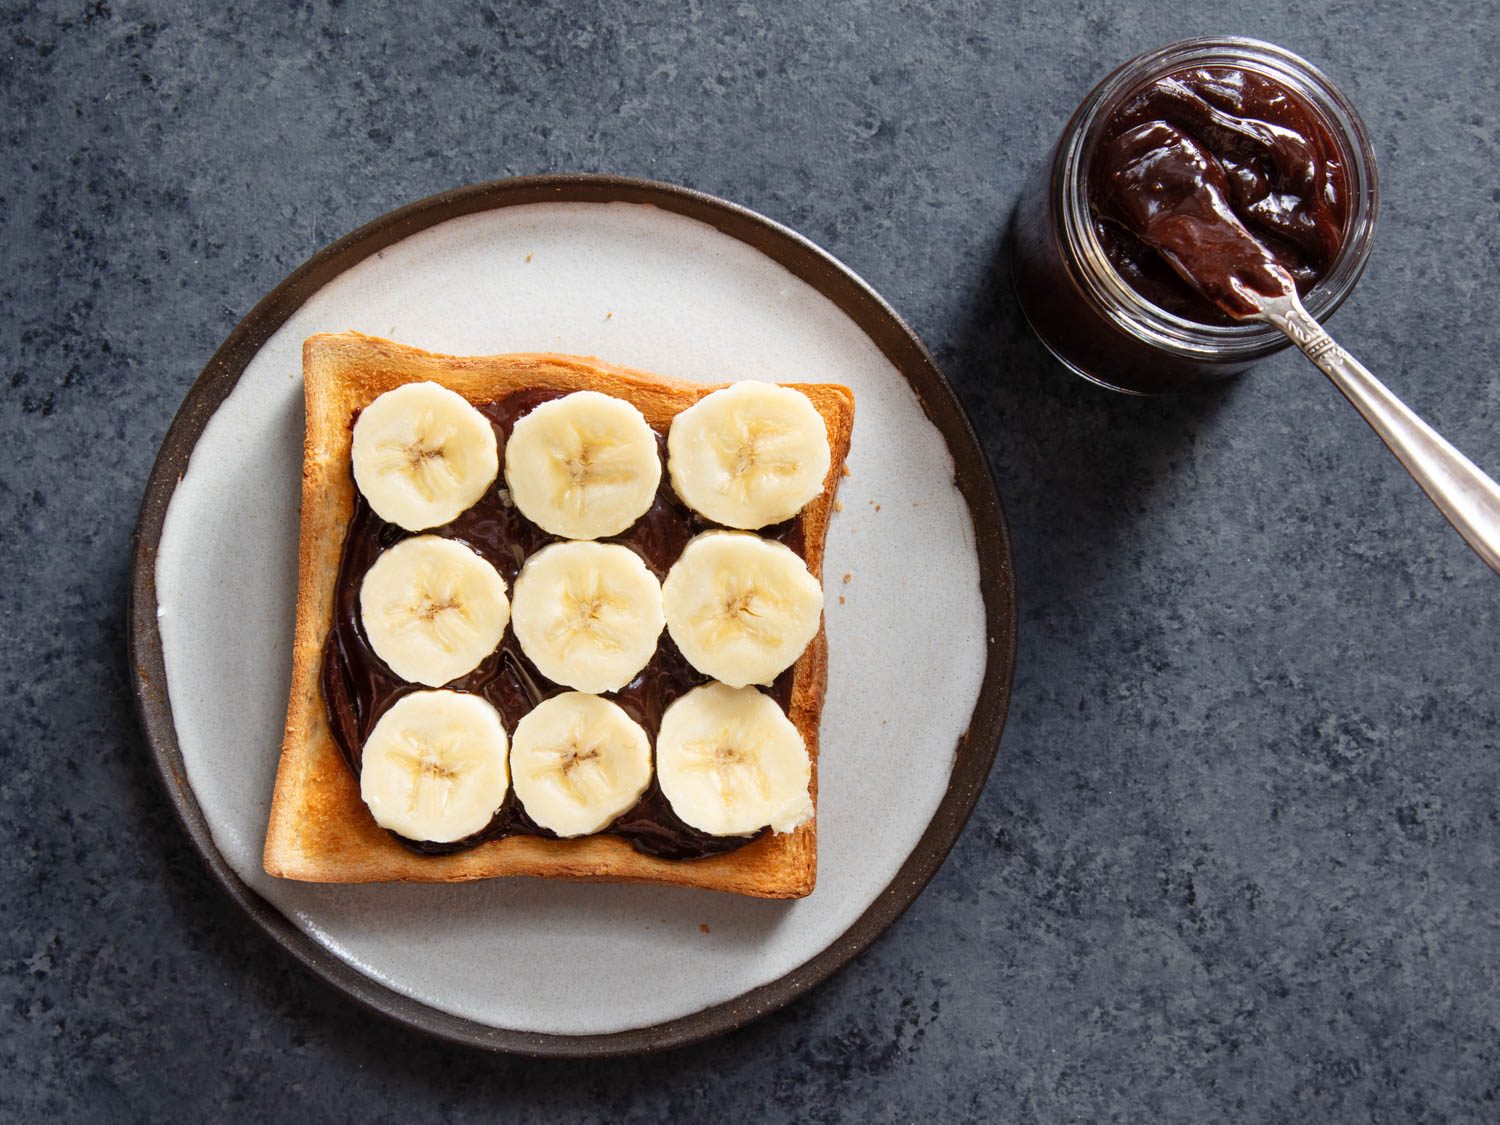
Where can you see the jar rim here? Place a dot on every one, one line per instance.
(1103, 284)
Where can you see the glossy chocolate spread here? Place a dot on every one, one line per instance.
(358, 687)
(1216, 180)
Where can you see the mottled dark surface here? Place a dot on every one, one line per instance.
(1240, 855)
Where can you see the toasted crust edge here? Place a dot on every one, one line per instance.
(319, 829)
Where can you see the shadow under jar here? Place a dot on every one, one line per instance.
(1111, 308)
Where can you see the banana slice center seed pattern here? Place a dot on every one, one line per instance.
(424, 456)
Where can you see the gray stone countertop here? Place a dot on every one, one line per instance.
(1239, 857)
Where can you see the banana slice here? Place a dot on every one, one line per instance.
(434, 767)
(588, 615)
(583, 466)
(748, 455)
(579, 761)
(432, 609)
(731, 763)
(422, 455)
(741, 608)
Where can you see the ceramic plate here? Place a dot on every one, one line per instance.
(920, 612)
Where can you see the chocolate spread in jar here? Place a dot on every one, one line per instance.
(1215, 180)
(358, 687)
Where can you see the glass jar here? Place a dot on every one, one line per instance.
(1079, 305)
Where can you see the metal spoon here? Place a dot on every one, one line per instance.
(1469, 499)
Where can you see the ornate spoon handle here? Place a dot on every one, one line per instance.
(1469, 499)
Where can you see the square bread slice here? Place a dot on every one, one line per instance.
(320, 829)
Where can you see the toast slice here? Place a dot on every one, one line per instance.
(320, 829)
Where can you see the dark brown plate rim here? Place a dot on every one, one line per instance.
(975, 752)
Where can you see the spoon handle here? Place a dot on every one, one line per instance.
(1469, 499)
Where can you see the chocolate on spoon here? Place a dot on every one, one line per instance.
(1173, 195)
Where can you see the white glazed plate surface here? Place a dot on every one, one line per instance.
(643, 287)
